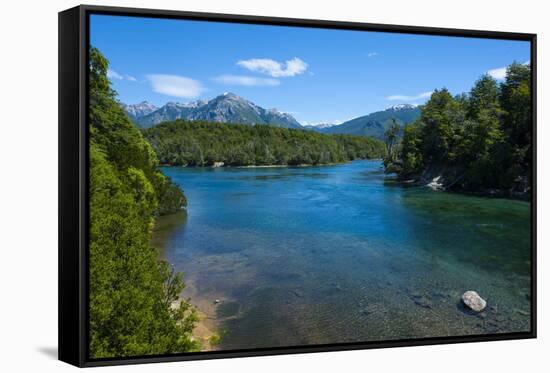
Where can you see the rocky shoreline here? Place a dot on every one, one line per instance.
(437, 184)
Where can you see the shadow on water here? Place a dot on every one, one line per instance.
(495, 231)
(165, 228)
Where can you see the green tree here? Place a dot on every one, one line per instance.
(134, 305)
(516, 104)
(437, 117)
(411, 151)
(476, 141)
(391, 137)
(482, 134)
(182, 143)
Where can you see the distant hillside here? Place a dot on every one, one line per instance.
(225, 108)
(375, 124)
(199, 143)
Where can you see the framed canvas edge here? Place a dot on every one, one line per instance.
(77, 288)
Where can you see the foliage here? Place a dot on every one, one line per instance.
(480, 140)
(134, 305)
(391, 138)
(201, 143)
(215, 339)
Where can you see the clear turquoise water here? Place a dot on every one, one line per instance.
(342, 254)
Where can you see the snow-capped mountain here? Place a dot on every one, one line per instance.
(225, 108)
(139, 110)
(319, 126)
(375, 124)
(402, 107)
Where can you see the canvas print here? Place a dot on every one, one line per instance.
(258, 186)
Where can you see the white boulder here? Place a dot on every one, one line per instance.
(473, 301)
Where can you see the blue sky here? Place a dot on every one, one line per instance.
(316, 75)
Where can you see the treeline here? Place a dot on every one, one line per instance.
(201, 143)
(475, 142)
(131, 291)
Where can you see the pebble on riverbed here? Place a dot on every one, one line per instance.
(473, 301)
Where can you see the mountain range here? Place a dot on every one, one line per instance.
(225, 108)
(230, 108)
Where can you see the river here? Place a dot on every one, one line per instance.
(331, 254)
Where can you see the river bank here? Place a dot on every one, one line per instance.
(448, 179)
(255, 166)
(206, 329)
(436, 185)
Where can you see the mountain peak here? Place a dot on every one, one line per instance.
(140, 109)
(224, 108)
(230, 95)
(143, 103)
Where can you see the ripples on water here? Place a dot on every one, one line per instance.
(341, 254)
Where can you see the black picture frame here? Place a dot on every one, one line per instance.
(73, 182)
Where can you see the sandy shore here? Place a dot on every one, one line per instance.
(208, 325)
(204, 333)
(205, 328)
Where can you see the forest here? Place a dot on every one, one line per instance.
(475, 142)
(199, 143)
(134, 305)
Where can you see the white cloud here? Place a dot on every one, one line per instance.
(112, 74)
(273, 68)
(499, 73)
(372, 54)
(175, 85)
(409, 98)
(244, 80)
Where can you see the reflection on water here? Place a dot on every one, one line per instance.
(296, 256)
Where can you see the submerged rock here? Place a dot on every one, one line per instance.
(473, 301)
